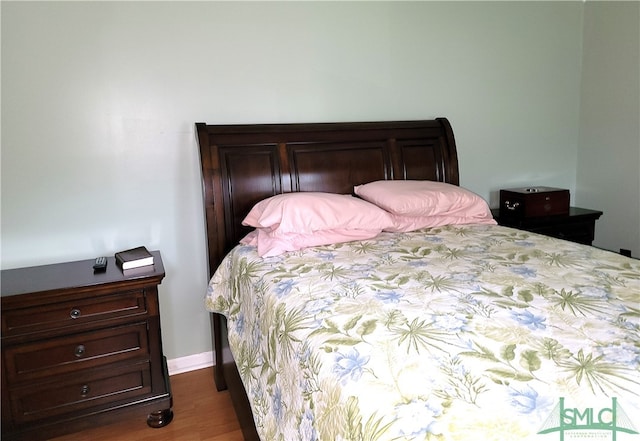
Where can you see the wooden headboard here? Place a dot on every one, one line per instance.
(243, 164)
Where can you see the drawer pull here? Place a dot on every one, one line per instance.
(84, 390)
(75, 313)
(511, 206)
(79, 351)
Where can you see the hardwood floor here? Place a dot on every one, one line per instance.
(200, 414)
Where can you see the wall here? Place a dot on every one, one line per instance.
(609, 156)
(99, 100)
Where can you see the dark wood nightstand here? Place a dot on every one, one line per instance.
(578, 226)
(80, 349)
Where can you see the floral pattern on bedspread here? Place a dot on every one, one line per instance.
(455, 333)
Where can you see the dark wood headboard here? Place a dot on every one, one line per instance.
(243, 164)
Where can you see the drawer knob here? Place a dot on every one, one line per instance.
(84, 390)
(511, 206)
(79, 351)
(75, 313)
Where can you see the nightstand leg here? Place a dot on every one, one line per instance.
(160, 418)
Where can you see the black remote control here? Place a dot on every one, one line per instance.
(100, 265)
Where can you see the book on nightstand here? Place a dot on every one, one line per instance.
(134, 258)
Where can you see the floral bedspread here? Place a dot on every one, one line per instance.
(457, 333)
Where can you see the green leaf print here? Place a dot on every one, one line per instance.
(530, 361)
(365, 247)
(463, 384)
(329, 271)
(373, 430)
(511, 375)
(247, 271)
(415, 253)
(481, 352)
(420, 334)
(577, 303)
(508, 352)
(248, 359)
(437, 283)
(342, 337)
(367, 327)
(598, 373)
(525, 295)
(504, 298)
(287, 323)
(353, 420)
(453, 253)
(507, 291)
(220, 303)
(343, 341)
(551, 349)
(352, 323)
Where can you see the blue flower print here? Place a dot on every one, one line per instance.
(464, 277)
(449, 322)
(623, 353)
(276, 402)
(315, 307)
(389, 296)
(240, 323)
(284, 288)
(350, 365)
(596, 292)
(524, 271)
(326, 255)
(529, 320)
(419, 418)
(306, 429)
(524, 400)
(364, 269)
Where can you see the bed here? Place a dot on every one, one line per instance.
(453, 331)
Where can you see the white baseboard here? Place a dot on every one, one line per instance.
(190, 363)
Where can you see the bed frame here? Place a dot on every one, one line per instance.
(243, 164)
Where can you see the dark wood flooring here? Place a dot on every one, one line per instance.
(200, 414)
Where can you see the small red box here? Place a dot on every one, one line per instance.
(527, 202)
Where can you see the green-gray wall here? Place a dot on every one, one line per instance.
(99, 101)
(609, 144)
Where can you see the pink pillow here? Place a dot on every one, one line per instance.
(308, 212)
(411, 223)
(422, 204)
(270, 244)
(292, 221)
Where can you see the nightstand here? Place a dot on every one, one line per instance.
(81, 348)
(578, 226)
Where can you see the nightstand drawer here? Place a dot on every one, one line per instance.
(76, 352)
(48, 317)
(581, 232)
(578, 226)
(82, 391)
